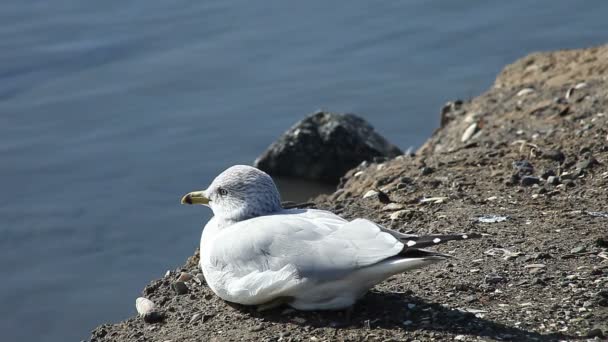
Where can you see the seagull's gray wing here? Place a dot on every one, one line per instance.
(272, 255)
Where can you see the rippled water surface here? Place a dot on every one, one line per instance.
(111, 110)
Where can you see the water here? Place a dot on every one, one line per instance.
(111, 110)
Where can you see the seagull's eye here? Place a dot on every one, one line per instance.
(222, 192)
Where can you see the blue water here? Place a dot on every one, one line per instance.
(111, 110)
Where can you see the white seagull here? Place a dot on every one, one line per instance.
(254, 252)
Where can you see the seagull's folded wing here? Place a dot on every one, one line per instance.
(272, 255)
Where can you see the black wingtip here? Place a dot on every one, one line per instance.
(436, 239)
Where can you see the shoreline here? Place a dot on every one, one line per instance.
(540, 273)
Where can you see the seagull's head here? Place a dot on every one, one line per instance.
(239, 193)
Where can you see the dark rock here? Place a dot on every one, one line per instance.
(547, 173)
(586, 164)
(529, 180)
(426, 170)
(383, 197)
(602, 242)
(154, 317)
(523, 167)
(494, 278)
(556, 155)
(552, 180)
(323, 147)
(595, 333)
(180, 287)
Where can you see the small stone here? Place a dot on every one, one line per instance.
(535, 266)
(195, 317)
(153, 317)
(529, 180)
(426, 170)
(523, 167)
(567, 175)
(393, 207)
(408, 322)
(494, 278)
(541, 256)
(144, 306)
(595, 333)
(552, 180)
(578, 249)
(180, 287)
(468, 133)
(547, 173)
(411, 306)
(398, 214)
(602, 242)
(525, 91)
(460, 338)
(184, 277)
(370, 193)
(586, 164)
(256, 328)
(556, 155)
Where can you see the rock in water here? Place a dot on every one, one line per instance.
(324, 146)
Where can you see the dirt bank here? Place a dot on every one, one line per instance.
(530, 153)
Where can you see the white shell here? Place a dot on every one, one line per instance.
(468, 133)
(144, 306)
(525, 91)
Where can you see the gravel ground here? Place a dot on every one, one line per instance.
(525, 163)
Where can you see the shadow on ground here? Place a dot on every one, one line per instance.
(403, 312)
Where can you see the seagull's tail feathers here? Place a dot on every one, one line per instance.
(411, 241)
(413, 255)
(403, 262)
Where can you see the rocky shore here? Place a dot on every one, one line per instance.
(525, 163)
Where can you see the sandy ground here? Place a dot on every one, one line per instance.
(530, 153)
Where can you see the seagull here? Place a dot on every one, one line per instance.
(255, 252)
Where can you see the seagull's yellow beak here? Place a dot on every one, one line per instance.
(195, 197)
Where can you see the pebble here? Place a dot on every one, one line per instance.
(393, 206)
(144, 306)
(180, 287)
(492, 218)
(552, 180)
(397, 214)
(525, 91)
(595, 333)
(586, 164)
(556, 155)
(370, 193)
(256, 328)
(184, 277)
(494, 278)
(195, 317)
(426, 170)
(523, 167)
(529, 180)
(578, 249)
(154, 317)
(408, 322)
(535, 266)
(468, 133)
